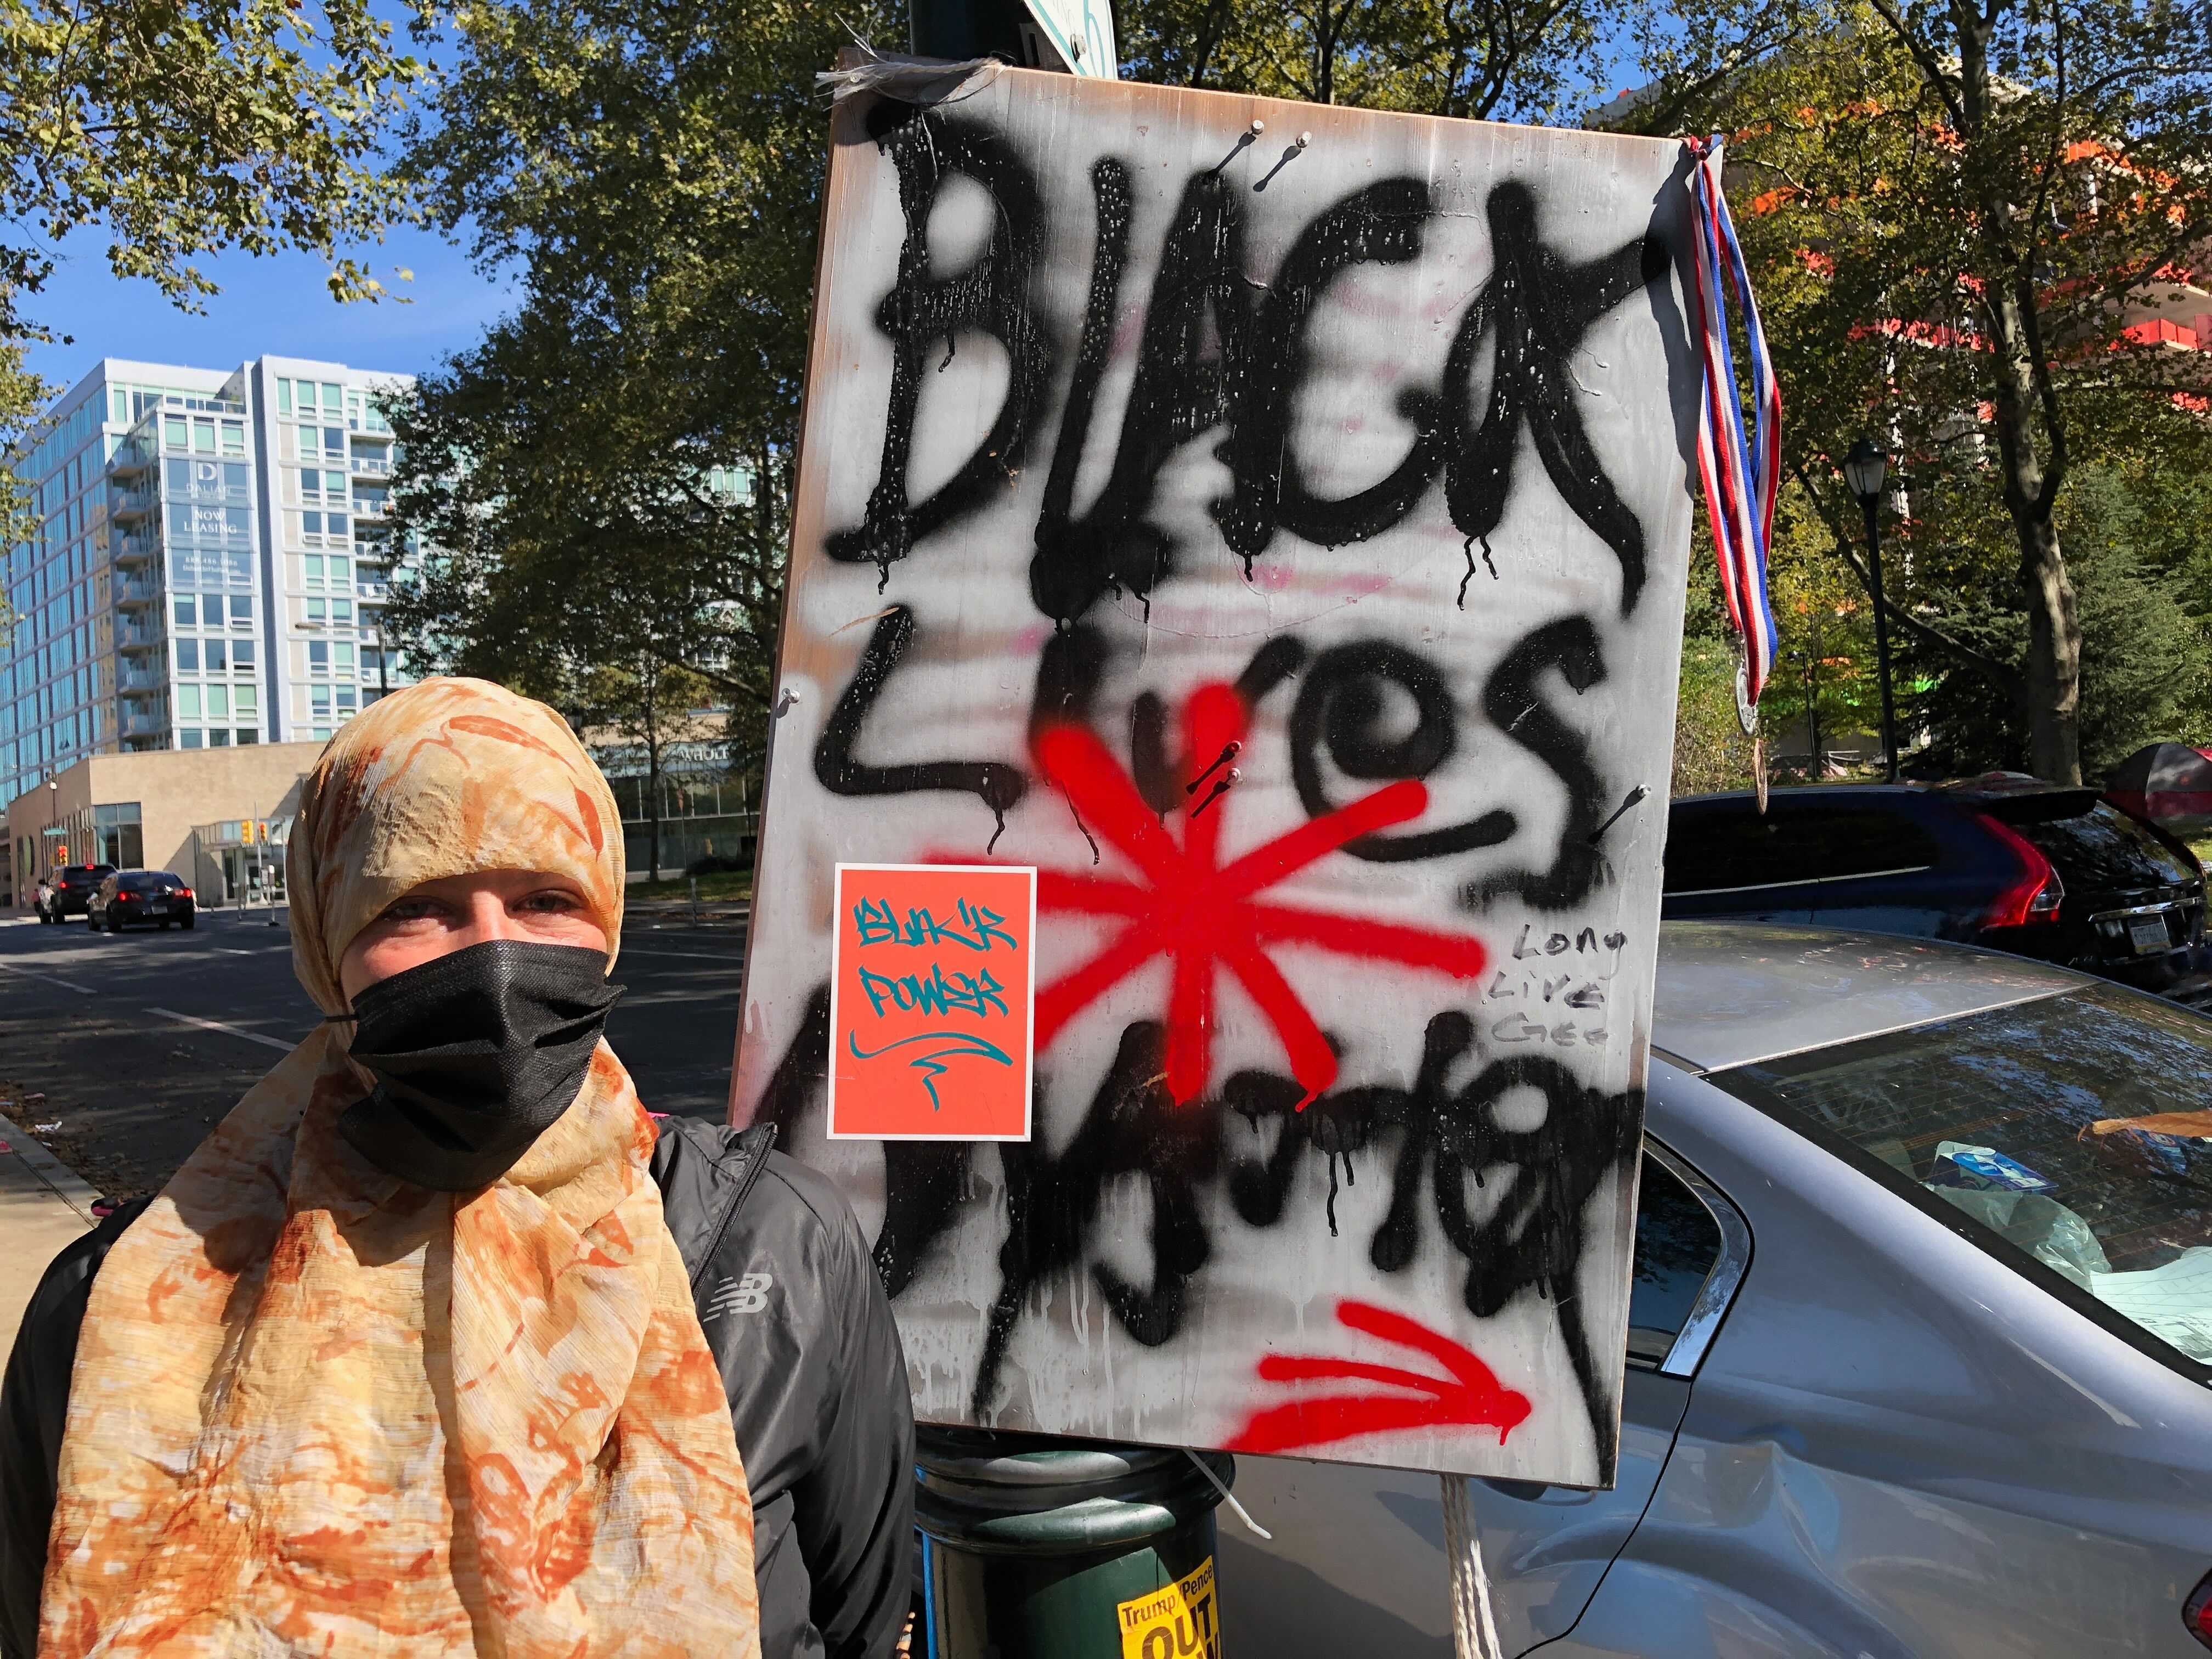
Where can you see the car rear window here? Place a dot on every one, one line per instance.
(1721, 848)
(2077, 1130)
(148, 882)
(2100, 848)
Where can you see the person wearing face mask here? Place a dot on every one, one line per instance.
(435, 1346)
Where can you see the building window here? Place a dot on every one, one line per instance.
(241, 656)
(175, 434)
(185, 610)
(319, 656)
(241, 610)
(218, 702)
(246, 699)
(188, 656)
(246, 736)
(215, 664)
(117, 838)
(283, 396)
(317, 613)
(220, 737)
(312, 562)
(188, 702)
(188, 740)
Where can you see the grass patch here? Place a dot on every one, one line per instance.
(2204, 851)
(720, 888)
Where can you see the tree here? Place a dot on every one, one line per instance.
(623, 444)
(1958, 209)
(1525, 60)
(183, 127)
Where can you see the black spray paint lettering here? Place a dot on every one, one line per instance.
(1433, 1137)
(993, 295)
(996, 784)
(1534, 312)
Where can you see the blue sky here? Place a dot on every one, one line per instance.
(277, 304)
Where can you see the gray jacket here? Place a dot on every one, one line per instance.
(797, 1319)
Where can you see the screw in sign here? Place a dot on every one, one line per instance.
(1179, 1622)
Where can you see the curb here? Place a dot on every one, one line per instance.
(58, 1177)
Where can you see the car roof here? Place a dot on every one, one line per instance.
(1988, 786)
(1733, 993)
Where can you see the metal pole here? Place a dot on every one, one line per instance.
(1872, 505)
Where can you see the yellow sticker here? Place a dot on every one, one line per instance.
(1179, 1622)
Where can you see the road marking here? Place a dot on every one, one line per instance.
(66, 984)
(227, 1030)
(230, 951)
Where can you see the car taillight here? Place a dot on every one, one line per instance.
(184, 892)
(2197, 1612)
(2038, 893)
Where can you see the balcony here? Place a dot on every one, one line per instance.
(139, 637)
(128, 591)
(146, 725)
(129, 457)
(130, 504)
(377, 506)
(377, 465)
(134, 550)
(140, 680)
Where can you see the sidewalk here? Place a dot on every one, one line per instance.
(42, 1207)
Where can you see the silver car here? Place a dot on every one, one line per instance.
(1918, 1353)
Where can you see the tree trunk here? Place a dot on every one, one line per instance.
(2053, 670)
(2054, 657)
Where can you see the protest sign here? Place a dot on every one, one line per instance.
(1270, 525)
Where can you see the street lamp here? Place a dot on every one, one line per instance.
(1864, 469)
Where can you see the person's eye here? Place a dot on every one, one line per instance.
(412, 909)
(553, 901)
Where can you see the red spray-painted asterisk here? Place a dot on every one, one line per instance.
(1204, 914)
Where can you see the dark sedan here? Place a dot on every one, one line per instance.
(68, 892)
(2003, 861)
(153, 896)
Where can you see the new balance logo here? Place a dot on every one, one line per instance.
(748, 1295)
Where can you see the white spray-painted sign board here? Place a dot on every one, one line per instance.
(1268, 523)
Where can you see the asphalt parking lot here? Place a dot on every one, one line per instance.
(140, 1042)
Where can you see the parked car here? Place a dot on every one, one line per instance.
(142, 896)
(2003, 860)
(1919, 1342)
(68, 890)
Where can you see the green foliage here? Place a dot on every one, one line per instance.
(2144, 654)
(1710, 750)
(180, 128)
(1946, 209)
(1521, 60)
(658, 173)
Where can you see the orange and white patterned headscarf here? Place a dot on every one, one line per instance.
(318, 1411)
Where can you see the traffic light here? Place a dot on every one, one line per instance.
(61, 856)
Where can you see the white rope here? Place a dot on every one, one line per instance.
(1227, 1496)
(1475, 1627)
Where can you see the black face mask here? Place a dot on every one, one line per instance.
(475, 1055)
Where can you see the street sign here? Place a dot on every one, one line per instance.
(1081, 32)
(1269, 524)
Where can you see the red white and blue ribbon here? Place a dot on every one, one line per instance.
(1740, 471)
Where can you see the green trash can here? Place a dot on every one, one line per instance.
(1038, 1547)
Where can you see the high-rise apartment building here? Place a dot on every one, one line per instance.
(210, 567)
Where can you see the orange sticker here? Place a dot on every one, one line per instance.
(931, 984)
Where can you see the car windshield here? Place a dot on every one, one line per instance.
(146, 883)
(2077, 1128)
(2102, 847)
